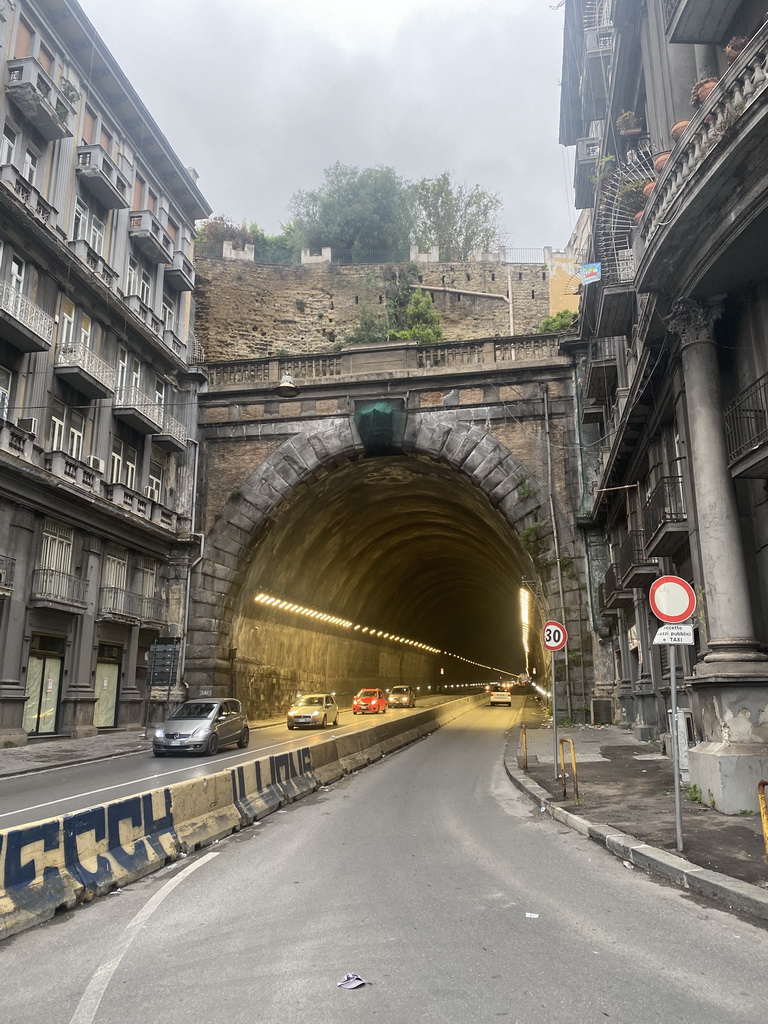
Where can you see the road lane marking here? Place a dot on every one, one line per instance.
(97, 986)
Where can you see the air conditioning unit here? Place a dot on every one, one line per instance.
(152, 493)
(28, 423)
(95, 463)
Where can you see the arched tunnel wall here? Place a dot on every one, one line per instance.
(429, 543)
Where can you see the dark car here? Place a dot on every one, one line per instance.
(402, 697)
(202, 726)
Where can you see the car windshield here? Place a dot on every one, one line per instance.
(195, 709)
(309, 701)
(399, 689)
(367, 693)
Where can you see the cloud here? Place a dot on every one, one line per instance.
(261, 95)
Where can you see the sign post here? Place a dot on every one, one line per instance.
(555, 637)
(673, 601)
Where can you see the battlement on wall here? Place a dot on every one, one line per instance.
(250, 310)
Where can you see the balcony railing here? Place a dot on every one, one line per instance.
(34, 93)
(53, 585)
(29, 195)
(72, 470)
(635, 567)
(94, 261)
(616, 596)
(665, 517)
(7, 573)
(138, 409)
(153, 609)
(173, 436)
(145, 314)
(123, 603)
(91, 374)
(102, 178)
(150, 237)
(180, 274)
(31, 327)
(746, 420)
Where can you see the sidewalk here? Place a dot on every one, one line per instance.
(627, 799)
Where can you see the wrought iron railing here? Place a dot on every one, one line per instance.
(51, 584)
(153, 609)
(7, 571)
(632, 552)
(746, 420)
(612, 583)
(665, 505)
(81, 356)
(174, 428)
(26, 312)
(116, 601)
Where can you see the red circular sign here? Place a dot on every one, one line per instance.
(672, 599)
(555, 635)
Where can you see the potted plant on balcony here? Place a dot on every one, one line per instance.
(702, 89)
(734, 46)
(631, 198)
(629, 125)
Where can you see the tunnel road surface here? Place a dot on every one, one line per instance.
(57, 791)
(428, 875)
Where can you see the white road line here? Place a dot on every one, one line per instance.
(97, 986)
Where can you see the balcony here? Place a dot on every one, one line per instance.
(101, 178)
(665, 518)
(602, 371)
(598, 50)
(51, 588)
(71, 470)
(636, 568)
(153, 610)
(180, 274)
(149, 237)
(617, 597)
(145, 314)
(84, 370)
(146, 506)
(39, 207)
(585, 167)
(41, 103)
(7, 573)
(138, 410)
(746, 431)
(172, 341)
(115, 603)
(602, 606)
(699, 21)
(94, 261)
(27, 327)
(173, 436)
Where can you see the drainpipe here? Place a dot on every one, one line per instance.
(193, 565)
(556, 541)
(511, 310)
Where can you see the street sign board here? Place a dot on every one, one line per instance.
(555, 635)
(672, 599)
(674, 633)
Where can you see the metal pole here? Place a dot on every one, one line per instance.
(554, 717)
(675, 747)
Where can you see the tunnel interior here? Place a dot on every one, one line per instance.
(397, 543)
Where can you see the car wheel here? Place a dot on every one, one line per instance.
(159, 753)
(354, 712)
(384, 710)
(291, 725)
(213, 745)
(336, 722)
(324, 722)
(244, 737)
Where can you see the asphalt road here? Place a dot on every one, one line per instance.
(427, 874)
(56, 791)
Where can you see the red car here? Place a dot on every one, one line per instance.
(369, 702)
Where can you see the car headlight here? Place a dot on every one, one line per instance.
(159, 734)
(201, 730)
(315, 714)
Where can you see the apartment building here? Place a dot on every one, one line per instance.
(98, 380)
(666, 103)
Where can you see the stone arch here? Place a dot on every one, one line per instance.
(508, 484)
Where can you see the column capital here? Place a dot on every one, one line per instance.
(694, 321)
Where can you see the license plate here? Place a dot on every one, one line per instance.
(175, 743)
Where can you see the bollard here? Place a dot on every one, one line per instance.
(763, 812)
(564, 740)
(524, 737)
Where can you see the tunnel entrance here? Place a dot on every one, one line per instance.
(402, 546)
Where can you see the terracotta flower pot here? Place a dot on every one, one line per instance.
(702, 89)
(734, 47)
(638, 217)
(677, 129)
(660, 161)
(649, 188)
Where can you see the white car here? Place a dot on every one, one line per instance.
(318, 709)
(501, 697)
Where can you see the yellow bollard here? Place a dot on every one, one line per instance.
(564, 740)
(524, 736)
(763, 812)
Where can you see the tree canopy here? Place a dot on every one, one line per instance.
(561, 321)
(456, 218)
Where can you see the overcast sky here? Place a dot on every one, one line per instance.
(261, 95)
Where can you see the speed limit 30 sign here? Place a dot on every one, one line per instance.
(555, 635)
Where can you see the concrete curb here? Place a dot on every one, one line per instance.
(737, 895)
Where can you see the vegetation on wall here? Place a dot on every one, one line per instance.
(562, 321)
(406, 313)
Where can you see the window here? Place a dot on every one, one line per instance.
(169, 313)
(132, 281)
(115, 567)
(89, 127)
(58, 426)
(88, 225)
(122, 466)
(85, 331)
(8, 147)
(148, 577)
(145, 288)
(80, 227)
(151, 200)
(56, 552)
(66, 430)
(30, 166)
(105, 138)
(46, 58)
(97, 235)
(128, 370)
(75, 434)
(67, 326)
(24, 37)
(155, 480)
(17, 275)
(5, 391)
(160, 392)
(138, 193)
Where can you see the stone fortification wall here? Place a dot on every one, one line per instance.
(246, 310)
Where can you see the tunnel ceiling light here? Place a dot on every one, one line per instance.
(280, 604)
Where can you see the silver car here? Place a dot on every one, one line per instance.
(319, 709)
(202, 726)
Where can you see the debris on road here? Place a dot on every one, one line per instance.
(352, 980)
(531, 915)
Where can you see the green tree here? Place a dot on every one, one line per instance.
(372, 328)
(456, 218)
(355, 209)
(562, 321)
(282, 248)
(423, 321)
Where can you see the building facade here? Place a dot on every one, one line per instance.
(665, 103)
(98, 382)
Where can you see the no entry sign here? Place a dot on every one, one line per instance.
(672, 599)
(555, 635)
